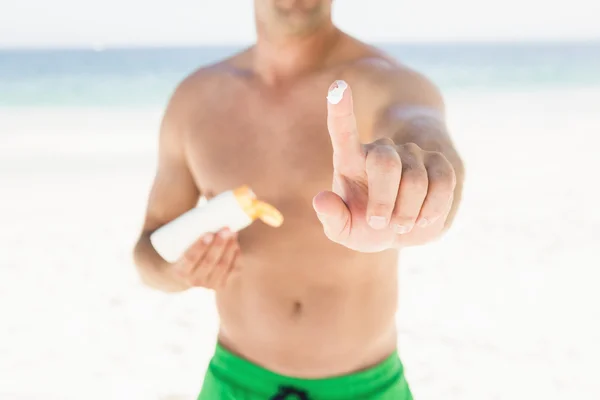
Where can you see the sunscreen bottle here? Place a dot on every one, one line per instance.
(234, 209)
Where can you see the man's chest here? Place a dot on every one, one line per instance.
(278, 151)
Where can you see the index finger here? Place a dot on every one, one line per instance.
(341, 123)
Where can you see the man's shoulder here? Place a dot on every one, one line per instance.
(380, 71)
(207, 79)
(202, 87)
(381, 82)
(377, 77)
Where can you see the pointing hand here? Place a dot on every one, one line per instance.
(382, 192)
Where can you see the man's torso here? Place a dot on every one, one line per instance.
(297, 303)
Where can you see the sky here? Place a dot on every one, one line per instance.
(77, 23)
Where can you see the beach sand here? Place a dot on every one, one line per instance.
(506, 306)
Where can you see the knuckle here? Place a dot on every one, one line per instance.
(390, 165)
(386, 158)
(441, 179)
(435, 157)
(438, 159)
(441, 176)
(385, 141)
(415, 177)
(411, 148)
(409, 160)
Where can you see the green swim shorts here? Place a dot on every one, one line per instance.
(230, 377)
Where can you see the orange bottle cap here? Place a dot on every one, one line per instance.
(255, 208)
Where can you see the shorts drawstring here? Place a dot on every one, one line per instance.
(286, 391)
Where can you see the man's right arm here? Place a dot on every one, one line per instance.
(173, 192)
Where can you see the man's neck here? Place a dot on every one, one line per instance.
(279, 58)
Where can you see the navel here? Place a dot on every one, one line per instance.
(297, 309)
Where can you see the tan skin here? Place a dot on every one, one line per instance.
(316, 297)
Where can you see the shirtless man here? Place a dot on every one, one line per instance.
(306, 310)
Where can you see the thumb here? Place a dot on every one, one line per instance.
(333, 214)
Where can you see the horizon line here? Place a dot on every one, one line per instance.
(99, 46)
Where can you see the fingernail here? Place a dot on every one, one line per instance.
(336, 91)
(423, 222)
(208, 238)
(225, 234)
(402, 229)
(377, 222)
(321, 217)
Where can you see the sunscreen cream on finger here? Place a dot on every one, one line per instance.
(234, 209)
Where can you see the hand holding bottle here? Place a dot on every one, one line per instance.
(234, 209)
(209, 261)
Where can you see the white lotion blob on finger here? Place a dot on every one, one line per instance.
(336, 92)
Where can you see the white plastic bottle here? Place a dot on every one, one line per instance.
(234, 209)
